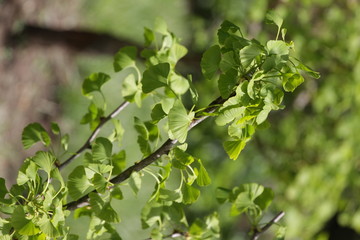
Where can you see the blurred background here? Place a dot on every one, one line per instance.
(310, 156)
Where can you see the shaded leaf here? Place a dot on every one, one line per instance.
(94, 82)
(125, 57)
(227, 82)
(210, 61)
(155, 77)
(190, 193)
(135, 182)
(34, 133)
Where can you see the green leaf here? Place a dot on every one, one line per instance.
(308, 70)
(27, 172)
(280, 233)
(193, 91)
(131, 90)
(227, 82)
(100, 183)
(55, 128)
(144, 146)
(3, 189)
(155, 77)
(262, 116)
(277, 47)
(291, 81)
(102, 209)
(179, 121)
(273, 18)
(44, 160)
(94, 82)
(101, 150)
(190, 193)
(34, 133)
(265, 199)
(118, 131)
(65, 142)
(125, 57)
(226, 29)
(222, 194)
(21, 224)
(135, 182)
(228, 61)
(234, 148)
(78, 183)
(229, 114)
(177, 51)
(149, 36)
(157, 113)
(249, 53)
(178, 84)
(203, 178)
(141, 128)
(210, 61)
(118, 162)
(48, 228)
(167, 104)
(183, 159)
(117, 193)
(160, 26)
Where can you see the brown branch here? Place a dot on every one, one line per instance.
(164, 149)
(258, 232)
(94, 134)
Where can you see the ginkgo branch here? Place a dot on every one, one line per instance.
(164, 149)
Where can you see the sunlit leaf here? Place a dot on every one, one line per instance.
(179, 121)
(44, 160)
(273, 18)
(21, 224)
(277, 47)
(249, 53)
(178, 84)
(203, 178)
(234, 148)
(101, 149)
(78, 183)
(291, 81)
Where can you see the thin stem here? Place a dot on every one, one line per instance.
(94, 134)
(258, 232)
